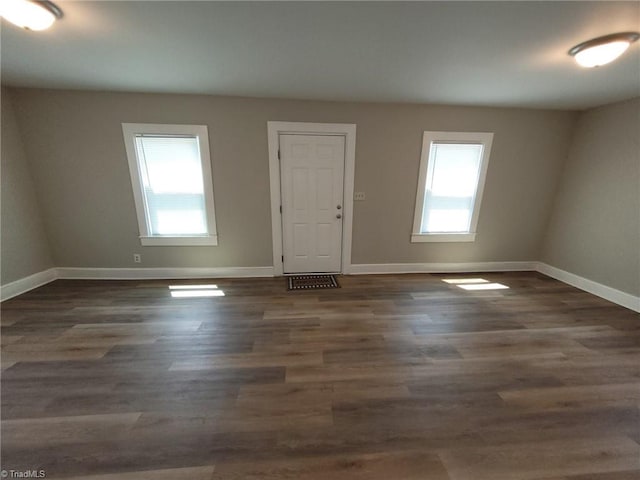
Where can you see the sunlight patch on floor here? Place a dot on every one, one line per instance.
(474, 284)
(457, 281)
(484, 286)
(195, 291)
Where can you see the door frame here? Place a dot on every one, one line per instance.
(348, 130)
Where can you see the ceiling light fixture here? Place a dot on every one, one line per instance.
(30, 14)
(602, 50)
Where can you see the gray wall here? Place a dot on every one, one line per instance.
(23, 242)
(594, 231)
(74, 141)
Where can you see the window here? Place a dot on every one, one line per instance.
(170, 171)
(453, 167)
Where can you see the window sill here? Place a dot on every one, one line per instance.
(443, 237)
(179, 241)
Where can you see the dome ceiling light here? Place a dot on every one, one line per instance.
(30, 14)
(602, 50)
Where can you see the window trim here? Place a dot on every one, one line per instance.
(484, 138)
(130, 130)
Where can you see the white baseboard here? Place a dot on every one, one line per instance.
(608, 293)
(383, 268)
(23, 285)
(161, 273)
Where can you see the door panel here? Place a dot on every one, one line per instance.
(312, 176)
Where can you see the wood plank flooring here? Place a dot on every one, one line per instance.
(395, 377)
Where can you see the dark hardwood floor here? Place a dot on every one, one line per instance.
(391, 377)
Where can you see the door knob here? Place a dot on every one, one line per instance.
(338, 216)
(339, 207)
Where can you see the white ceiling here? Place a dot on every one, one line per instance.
(470, 53)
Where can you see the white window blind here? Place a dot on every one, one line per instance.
(172, 181)
(452, 180)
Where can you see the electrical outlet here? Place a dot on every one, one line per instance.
(359, 196)
(137, 258)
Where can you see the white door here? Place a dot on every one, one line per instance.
(312, 177)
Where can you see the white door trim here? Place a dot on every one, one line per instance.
(274, 130)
